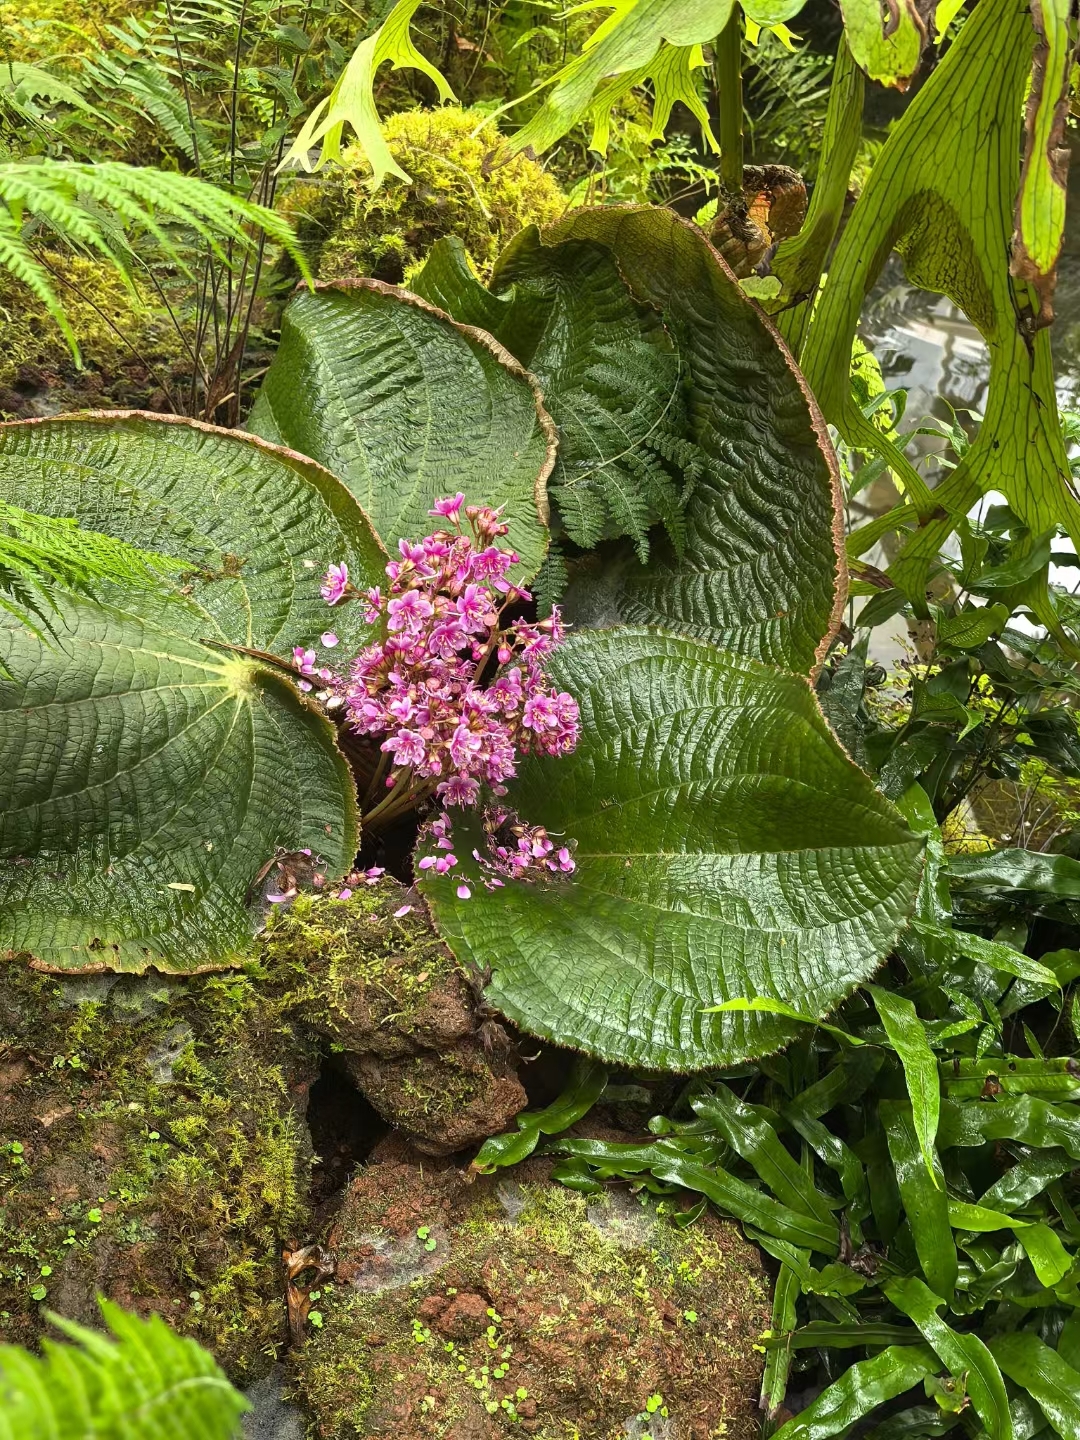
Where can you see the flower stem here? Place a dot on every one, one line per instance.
(380, 772)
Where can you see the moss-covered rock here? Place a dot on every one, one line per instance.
(153, 1131)
(152, 1147)
(350, 230)
(514, 1305)
(129, 348)
(389, 997)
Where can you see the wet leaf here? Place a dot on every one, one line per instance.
(964, 1354)
(718, 826)
(1051, 1382)
(859, 1391)
(908, 1038)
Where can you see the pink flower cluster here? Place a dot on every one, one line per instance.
(515, 851)
(457, 696)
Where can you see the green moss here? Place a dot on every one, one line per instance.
(578, 1312)
(333, 949)
(164, 1158)
(349, 230)
(33, 29)
(127, 346)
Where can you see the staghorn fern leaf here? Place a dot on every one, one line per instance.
(146, 1383)
(81, 202)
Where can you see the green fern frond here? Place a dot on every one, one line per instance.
(17, 259)
(146, 1382)
(82, 202)
(582, 510)
(551, 581)
(625, 464)
(44, 547)
(40, 552)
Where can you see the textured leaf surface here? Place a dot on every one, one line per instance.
(406, 406)
(258, 526)
(726, 847)
(609, 373)
(760, 572)
(146, 778)
(147, 775)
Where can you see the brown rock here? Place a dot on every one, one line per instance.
(464, 1318)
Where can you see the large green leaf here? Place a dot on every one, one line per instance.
(659, 38)
(862, 1387)
(886, 40)
(609, 373)
(146, 778)
(1050, 1381)
(407, 406)
(964, 1354)
(942, 193)
(257, 525)
(800, 260)
(149, 772)
(761, 572)
(726, 846)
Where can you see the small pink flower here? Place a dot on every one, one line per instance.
(449, 509)
(304, 660)
(335, 584)
(343, 894)
(409, 611)
(407, 747)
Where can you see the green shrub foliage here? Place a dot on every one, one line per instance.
(720, 827)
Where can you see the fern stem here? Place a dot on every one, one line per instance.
(727, 77)
(66, 283)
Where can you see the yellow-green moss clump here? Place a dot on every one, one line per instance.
(128, 347)
(154, 1139)
(154, 1148)
(350, 230)
(37, 29)
(513, 1305)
